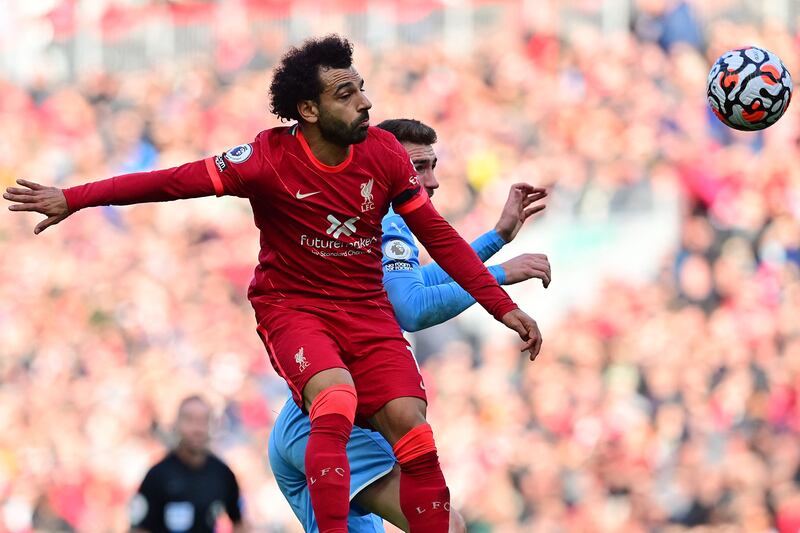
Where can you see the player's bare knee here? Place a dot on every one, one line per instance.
(399, 416)
(323, 380)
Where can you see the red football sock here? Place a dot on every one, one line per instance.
(424, 497)
(327, 468)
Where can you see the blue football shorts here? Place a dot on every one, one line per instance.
(370, 457)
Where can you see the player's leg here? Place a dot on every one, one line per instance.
(287, 449)
(424, 496)
(370, 458)
(382, 498)
(374, 480)
(304, 353)
(392, 398)
(331, 400)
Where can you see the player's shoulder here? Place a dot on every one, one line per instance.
(267, 143)
(278, 135)
(379, 134)
(383, 143)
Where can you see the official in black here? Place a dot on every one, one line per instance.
(191, 487)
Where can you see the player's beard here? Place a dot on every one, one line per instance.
(337, 132)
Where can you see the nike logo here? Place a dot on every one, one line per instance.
(306, 195)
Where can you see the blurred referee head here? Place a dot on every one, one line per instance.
(193, 424)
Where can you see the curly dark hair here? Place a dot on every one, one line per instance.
(409, 130)
(296, 78)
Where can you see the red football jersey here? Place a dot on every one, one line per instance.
(320, 225)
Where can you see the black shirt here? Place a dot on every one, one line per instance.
(175, 498)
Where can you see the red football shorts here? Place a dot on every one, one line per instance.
(364, 338)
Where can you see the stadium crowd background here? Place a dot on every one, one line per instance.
(661, 403)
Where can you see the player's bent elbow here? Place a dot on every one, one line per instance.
(405, 312)
(408, 321)
(422, 317)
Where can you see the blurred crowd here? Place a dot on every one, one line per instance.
(660, 407)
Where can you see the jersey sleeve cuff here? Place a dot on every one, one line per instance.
(505, 308)
(499, 273)
(495, 239)
(81, 196)
(488, 244)
(71, 200)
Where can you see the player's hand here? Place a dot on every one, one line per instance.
(527, 266)
(527, 329)
(49, 201)
(523, 201)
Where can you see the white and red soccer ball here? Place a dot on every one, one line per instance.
(749, 88)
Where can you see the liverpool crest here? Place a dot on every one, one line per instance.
(366, 193)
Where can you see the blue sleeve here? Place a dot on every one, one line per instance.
(400, 252)
(416, 305)
(485, 246)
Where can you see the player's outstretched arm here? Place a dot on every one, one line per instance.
(454, 255)
(32, 196)
(524, 200)
(190, 180)
(418, 307)
(485, 246)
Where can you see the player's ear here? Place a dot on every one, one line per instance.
(309, 110)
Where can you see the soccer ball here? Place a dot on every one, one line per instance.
(749, 88)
